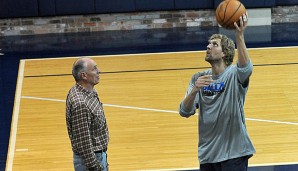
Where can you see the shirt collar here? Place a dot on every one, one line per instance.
(85, 91)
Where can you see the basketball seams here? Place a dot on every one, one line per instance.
(221, 10)
(218, 11)
(226, 23)
(226, 10)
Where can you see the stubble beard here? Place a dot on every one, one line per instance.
(212, 60)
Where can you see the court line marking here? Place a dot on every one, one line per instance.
(274, 164)
(158, 110)
(22, 149)
(153, 70)
(142, 54)
(18, 97)
(15, 117)
(175, 169)
(196, 168)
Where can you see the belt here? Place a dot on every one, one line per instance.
(101, 151)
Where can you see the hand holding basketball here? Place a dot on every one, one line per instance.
(228, 12)
(240, 27)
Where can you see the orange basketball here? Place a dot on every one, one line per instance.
(228, 12)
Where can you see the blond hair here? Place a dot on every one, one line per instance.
(227, 46)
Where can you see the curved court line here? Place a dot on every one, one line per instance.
(159, 110)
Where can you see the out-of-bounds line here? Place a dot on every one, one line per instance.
(250, 165)
(158, 110)
(272, 121)
(273, 164)
(15, 118)
(175, 169)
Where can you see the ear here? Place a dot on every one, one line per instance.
(84, 75)
(223, 54)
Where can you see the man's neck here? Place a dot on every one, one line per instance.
(86, 86)
(218, 68)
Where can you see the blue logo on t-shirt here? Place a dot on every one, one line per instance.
(213, 89)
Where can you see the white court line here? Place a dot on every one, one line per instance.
(272, 121)
(274, 164)
(250, 165)
(158, 110)
(22, 149)
(142, 54)
(15, 118)
(13, 132)
(175, 169)
(140, 108)
(170, 111)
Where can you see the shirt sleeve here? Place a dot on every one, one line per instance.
(244, 73)
(81, 135)
(182, 111)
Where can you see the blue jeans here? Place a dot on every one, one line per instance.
(79, 164)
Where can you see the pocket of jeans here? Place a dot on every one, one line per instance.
(99, 156)
(78, 163)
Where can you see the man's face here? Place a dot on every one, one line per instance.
(214, 52)
(92, 73)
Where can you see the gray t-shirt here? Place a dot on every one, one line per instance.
(222, 128)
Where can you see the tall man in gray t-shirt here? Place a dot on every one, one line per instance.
(219, 95)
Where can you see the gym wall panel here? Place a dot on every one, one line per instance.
(65, 7)
(193, 4)
(110, 6)
(34, 8)
(47, 7)
(4, 6)
(286, 2)
(154, 5)
(18, 8)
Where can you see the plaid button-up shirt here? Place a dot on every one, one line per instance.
(86, 124)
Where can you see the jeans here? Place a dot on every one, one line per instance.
(79, 164)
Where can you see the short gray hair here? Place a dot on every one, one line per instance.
(78, 67)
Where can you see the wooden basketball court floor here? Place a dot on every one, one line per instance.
(141, 94)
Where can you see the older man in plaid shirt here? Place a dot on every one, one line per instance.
(86, 122)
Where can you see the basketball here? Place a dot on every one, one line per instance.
(228, 12)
